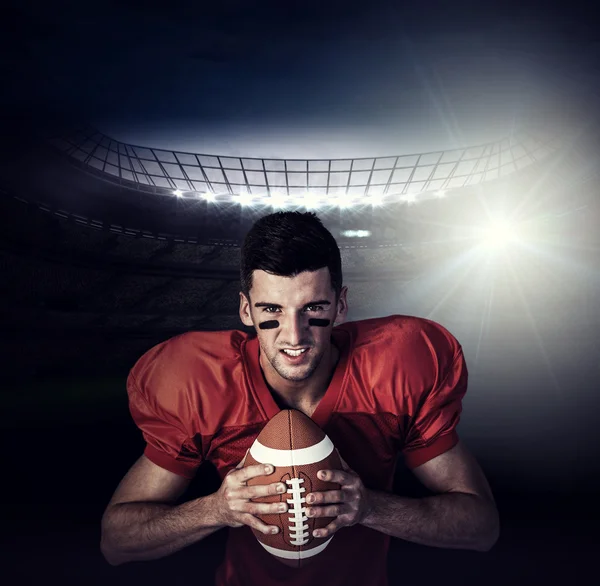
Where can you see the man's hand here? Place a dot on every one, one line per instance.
(233, 499)
(350, 504)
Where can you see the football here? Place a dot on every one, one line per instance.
(297, 448)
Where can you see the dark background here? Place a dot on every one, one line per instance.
(79, 305)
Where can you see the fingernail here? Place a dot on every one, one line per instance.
(317, 533)
(310, 498)
(309, 512)
(282, 507)
(281, 488)
(322, 475)
(274, 530)
(267, 469)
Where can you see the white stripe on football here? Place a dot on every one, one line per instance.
(297, 555)
(300, 457)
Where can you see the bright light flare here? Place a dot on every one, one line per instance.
(375, 200)
(311, 201)
(356, 233)
(279, 201)
(344, 201)
(499, 234)
(244, 198)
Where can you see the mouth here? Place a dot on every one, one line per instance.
(295, 356)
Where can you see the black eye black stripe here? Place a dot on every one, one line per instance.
(269, 325)
(272, 324)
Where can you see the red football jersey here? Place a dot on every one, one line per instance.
(397, 388)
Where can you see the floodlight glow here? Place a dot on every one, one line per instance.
(311, 201)
(278, 200)
(297, 201)
(441, 193)
(409, 198)
(499, 233)
(375, 200)
(344, 201)
(208, 196)
(178, 192)
(356, 233)
(244, 198)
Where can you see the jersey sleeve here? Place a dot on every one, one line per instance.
(432, 427)
(161, 407)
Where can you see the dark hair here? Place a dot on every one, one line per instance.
(289, 243)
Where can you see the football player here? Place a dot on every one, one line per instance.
(379, 388)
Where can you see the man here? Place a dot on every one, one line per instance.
(377, 388)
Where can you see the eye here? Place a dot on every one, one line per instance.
(271, 309)
(315, 308)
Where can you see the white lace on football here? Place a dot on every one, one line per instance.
(298, 527)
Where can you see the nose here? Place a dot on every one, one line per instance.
(294, 329)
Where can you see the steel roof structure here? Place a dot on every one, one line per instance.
(290, 181)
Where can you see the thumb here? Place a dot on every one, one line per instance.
(344, 464)
(241, 464)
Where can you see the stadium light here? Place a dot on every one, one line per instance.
(344, 201)
(244, 198)
(356, 233)
(208, 196)
(375, 200)
(499, 233)
(311, 201)
(278, 199)
(178, 193)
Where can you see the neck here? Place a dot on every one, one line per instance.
(302, 394)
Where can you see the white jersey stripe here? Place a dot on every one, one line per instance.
(288, 458)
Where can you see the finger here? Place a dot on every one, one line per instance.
(260, 490)
(235, 492)
(241, 464)
(327, 531)
(343, 478)
(344, 463)
(261, 508)
(327, 496)
(257, 524)
(325, 511)
(253, 471)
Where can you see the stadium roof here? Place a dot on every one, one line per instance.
(296, 182)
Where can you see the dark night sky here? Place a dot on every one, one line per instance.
(310, 79)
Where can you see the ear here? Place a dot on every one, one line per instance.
(342, 307)
(245, 315)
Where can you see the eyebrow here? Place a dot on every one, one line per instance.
(319, 302)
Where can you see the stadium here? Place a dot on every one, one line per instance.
(109, 248)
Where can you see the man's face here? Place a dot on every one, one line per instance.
(294, 303)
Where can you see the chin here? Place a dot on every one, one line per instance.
(296, 374)
(295, 379)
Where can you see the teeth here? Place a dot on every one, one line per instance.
(295, 352)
